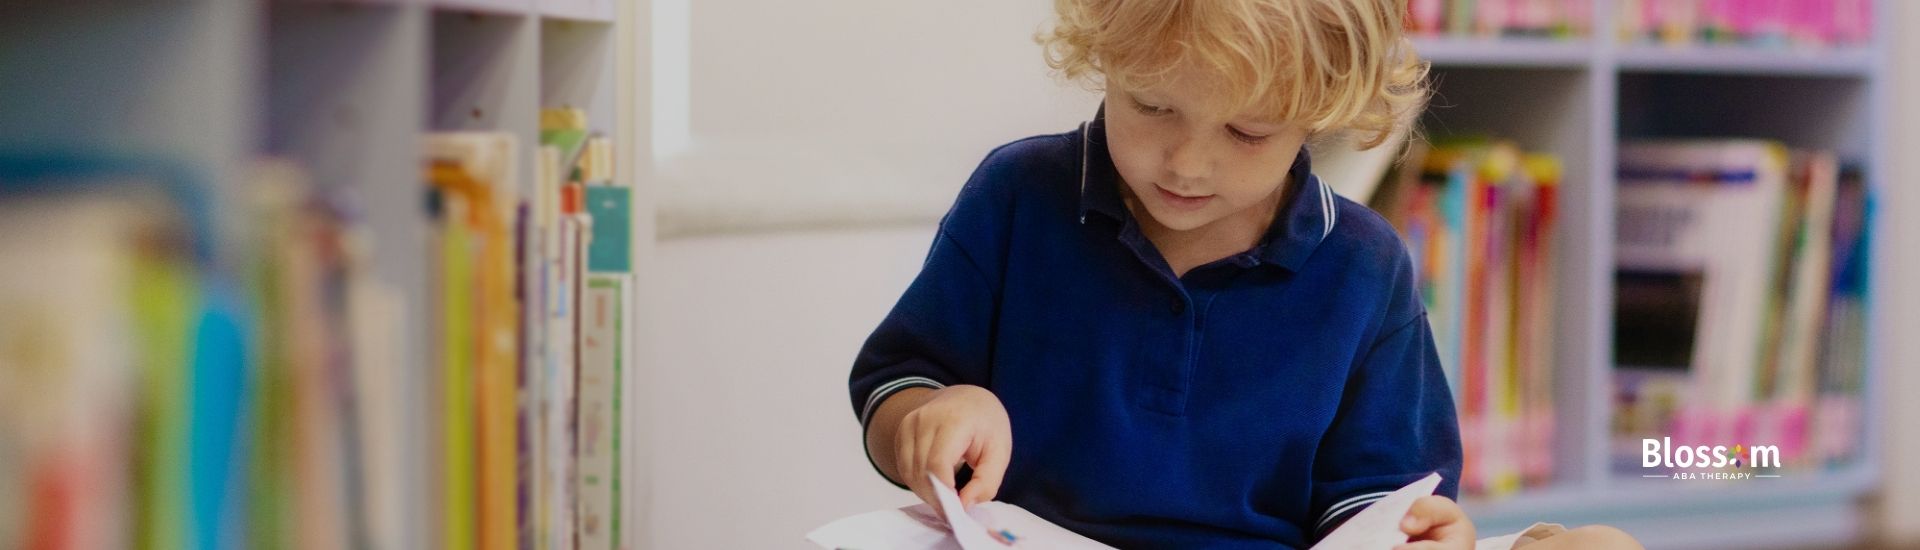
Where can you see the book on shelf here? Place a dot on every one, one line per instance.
(605, 323)
(1500, 18)
(534, 321)
(164, 390)
(1759, 23)
(1478, 217)
(328, 465)
(165, 384)
(1740, 267)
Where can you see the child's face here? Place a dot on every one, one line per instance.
(1190, 165)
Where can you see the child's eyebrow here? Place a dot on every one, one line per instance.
(1258, 120)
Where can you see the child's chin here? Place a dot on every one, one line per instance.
(1182, 221)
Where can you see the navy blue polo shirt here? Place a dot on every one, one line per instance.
(1255, 402)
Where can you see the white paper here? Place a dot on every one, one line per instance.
(918, 527)
(1377, 527)
(968, 531)
(886, 530)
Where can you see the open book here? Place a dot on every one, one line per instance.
(994, 525)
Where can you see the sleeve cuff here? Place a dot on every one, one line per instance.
(874, 399)
(1340, 511)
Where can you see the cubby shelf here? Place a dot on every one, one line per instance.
(1581, 99)
(346, 89)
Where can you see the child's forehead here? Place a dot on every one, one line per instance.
(1202, 93)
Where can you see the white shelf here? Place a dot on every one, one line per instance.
(1490, 52)
(1580, 100)
(1847, 62)
(497, 7)
(1662, 514)
(591, 11)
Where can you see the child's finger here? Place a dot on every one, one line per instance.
(1429, 512)
(949, 446)
(910, 466)
(1421, 545)
(989, 467)
(1414, 525)
(1439, 519)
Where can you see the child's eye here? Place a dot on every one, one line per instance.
(1246, 138)
(1149, 110)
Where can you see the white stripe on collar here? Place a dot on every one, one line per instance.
(1329, 209)
(1083, 172)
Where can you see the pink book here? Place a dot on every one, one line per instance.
(1424, 16)
(1809, 22)
(1852, 22)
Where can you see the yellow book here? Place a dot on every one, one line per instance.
(487, 162)
(456, 279)
(494, 322)
(497, 371)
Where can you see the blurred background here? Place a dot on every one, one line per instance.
(558, 273)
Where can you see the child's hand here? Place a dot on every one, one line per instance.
(1437, 523)
(956, 424)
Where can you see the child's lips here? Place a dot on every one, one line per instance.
(1183, 202)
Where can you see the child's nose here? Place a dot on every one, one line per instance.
(1188, 160)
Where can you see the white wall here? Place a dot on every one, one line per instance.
(803, 117)
(754, 442)
(849, 112)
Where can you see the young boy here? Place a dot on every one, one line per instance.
(1193, 341)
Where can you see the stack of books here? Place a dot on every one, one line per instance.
(166, 384)
(532, 324)
(1762, 23)
(1500, 18)
(1740, 307)
(1479, 218)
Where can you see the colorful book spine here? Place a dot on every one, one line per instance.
(603, 356)
(1500, 18)
(1760, 23)
(1478, 222)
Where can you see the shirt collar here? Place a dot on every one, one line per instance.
(1305, 220)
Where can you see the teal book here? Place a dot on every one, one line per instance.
(612, 248)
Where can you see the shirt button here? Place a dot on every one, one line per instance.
(1179, 305)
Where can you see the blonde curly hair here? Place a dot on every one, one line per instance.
(1329, 65)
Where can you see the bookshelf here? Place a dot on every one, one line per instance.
(346, 89)
(1580, 99)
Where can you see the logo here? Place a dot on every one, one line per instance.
(1719, 462)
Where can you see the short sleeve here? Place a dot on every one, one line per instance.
(1396, 422)
(941, 331)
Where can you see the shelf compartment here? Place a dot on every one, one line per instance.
(576, 70)
(1820, 113)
